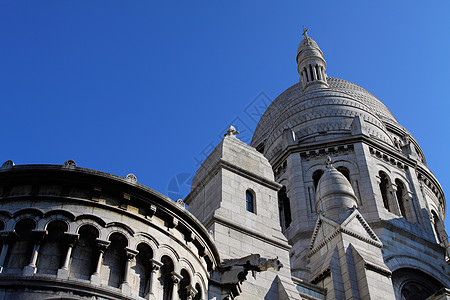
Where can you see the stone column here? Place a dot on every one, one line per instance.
(176, 278)
(310, 78)
(70, 240)
(314, 72)
(37, 236)
(153, 280)
(101, 245)
(392, 190)
(191, 292)
(125, 286)
(7, 237)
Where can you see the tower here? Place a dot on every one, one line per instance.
(395, 193)
(235, 196)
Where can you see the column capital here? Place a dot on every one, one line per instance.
(155, 265)
(102, 245)
(71, 238)
(131, 254)
(191, 292)
(176, 278)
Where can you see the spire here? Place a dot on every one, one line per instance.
(311, 65)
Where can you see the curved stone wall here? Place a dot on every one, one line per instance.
(73, 231)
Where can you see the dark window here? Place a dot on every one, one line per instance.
(142, 268)
(166, 277)
(316, 177)
(401, 197)
(250, 201)
(20, 253)
(344, 172)
(115, 258)
(436, 225)
(183, 285)
(384, 183)
(198, 296)
(284, 206)
(84, 253)
(52, 250)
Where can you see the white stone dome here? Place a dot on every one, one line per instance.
(320, 114)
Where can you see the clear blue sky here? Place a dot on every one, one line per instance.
(147, 87)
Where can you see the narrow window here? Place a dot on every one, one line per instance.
(51, 251)
(311, 71)
(400, 193)
(166, 277)
(384, 183)
(142, 268)
(306, 74)
(184, 284)
(198, 296)
(284, 206)
(316, 177)
(436, 225)
(250, 201)
(84, 252)
(344, 172)
(319, 76)
(114, 260)
(20, 253)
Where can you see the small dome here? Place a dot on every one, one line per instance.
(308, 47)
(334, 194)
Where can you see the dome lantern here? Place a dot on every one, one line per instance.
(311, 65)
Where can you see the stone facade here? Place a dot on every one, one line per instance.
(333, 199)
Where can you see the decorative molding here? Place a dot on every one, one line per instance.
(327, 151)
(387, 158)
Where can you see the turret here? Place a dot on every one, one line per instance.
(335, 197)
(311, 65)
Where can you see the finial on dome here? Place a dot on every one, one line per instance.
(231, 131)
(311, 65)
(329, 163)
(305, 30)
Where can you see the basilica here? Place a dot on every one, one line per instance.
(332, 199)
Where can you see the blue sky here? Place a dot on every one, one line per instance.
(148, 87)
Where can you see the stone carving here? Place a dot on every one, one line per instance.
(70, 163)
(236, 270)
(180, 203)
(131, 177)
(231, 131)
(8, 164)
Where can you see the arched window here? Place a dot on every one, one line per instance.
(250, 201)
(166, 277)
(284, 207)
(412, 284)
(183, 291)
(84, 252)
(436, 225)
(316, 177)
(400, 193)
(384, 184)
(142, 268)
(20, 253)
(199, 294)
(344, 172)
(52, 249)
(114, 260)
